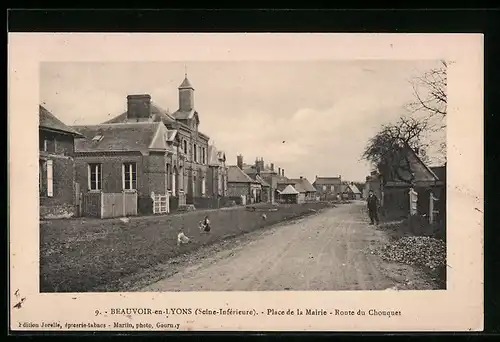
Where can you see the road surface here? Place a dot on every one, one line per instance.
(331, 250)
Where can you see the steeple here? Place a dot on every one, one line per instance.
(186, 95)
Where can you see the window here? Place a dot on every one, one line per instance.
(129, 176)
(204, 156)
(95, 176)
(203, 186)
(185, 147)
(324, 187)
(332, 188)
(195, 157)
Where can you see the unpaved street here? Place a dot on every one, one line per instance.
(327, 251)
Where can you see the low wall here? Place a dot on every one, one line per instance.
(63, 268)
(57, 211)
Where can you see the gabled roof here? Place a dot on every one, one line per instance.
(47, 120)
(354, 188)
(123, 137)
(421, 172)
(327, 180)
(304, 184)
(289, 190)
(236, 175)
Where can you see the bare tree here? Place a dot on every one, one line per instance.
(388, 150)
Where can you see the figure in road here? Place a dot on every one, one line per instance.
(372, 203)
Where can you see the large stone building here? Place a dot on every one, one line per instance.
(164, 152)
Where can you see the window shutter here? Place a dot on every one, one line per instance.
(50, 185)
(123, 176)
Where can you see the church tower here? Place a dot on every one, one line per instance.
(186, 96)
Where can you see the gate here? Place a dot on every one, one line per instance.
(160, 204)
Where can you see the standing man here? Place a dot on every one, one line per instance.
(372, 203)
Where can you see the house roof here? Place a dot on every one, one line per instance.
(157, 114)
(49, 121)
(305, 184)
(236, 175)
(327, 180)
(123, 137)
(262, 181)
(289, 190)
(439, 171)
(354, 188)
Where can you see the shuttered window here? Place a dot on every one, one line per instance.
(50, 180)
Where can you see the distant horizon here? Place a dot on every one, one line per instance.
(308, 117)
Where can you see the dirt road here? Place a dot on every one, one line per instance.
(327, 251)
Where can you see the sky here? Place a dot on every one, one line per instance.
(312, 118)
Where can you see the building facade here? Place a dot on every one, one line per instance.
(57, 188)
(328, 188)
(166, 153)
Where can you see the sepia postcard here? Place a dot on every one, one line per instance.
(245, 182)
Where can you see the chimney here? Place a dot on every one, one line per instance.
(139, 107)
(300, 177)
(239, 161)
(272, 166)
(279, 171)
(283, 172)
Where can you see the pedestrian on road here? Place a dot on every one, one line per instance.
(372, 203)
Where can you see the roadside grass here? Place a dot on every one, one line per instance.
(95, 255)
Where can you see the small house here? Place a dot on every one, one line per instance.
(57, 187)
(290, 195)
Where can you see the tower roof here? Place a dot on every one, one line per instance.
(186, 84)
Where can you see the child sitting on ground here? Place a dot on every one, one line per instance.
(205, 225)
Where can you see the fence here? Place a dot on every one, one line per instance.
(161, 203)
(108, 205)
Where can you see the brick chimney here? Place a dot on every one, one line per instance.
(272, 166)
(283, 172)
(239, 161)
(139, 107)
(279, 171)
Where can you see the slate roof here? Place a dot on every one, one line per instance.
(304, 184)
(123, 137)
(49, 121)
(262, 181)
(289, 190)
(157, 114)
(236, 175)
(327, 180)
(439, 171)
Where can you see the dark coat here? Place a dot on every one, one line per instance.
(372, 202)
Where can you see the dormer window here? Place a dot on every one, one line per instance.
(97, 138)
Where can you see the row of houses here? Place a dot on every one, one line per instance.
(148, 160)
(120, 166)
